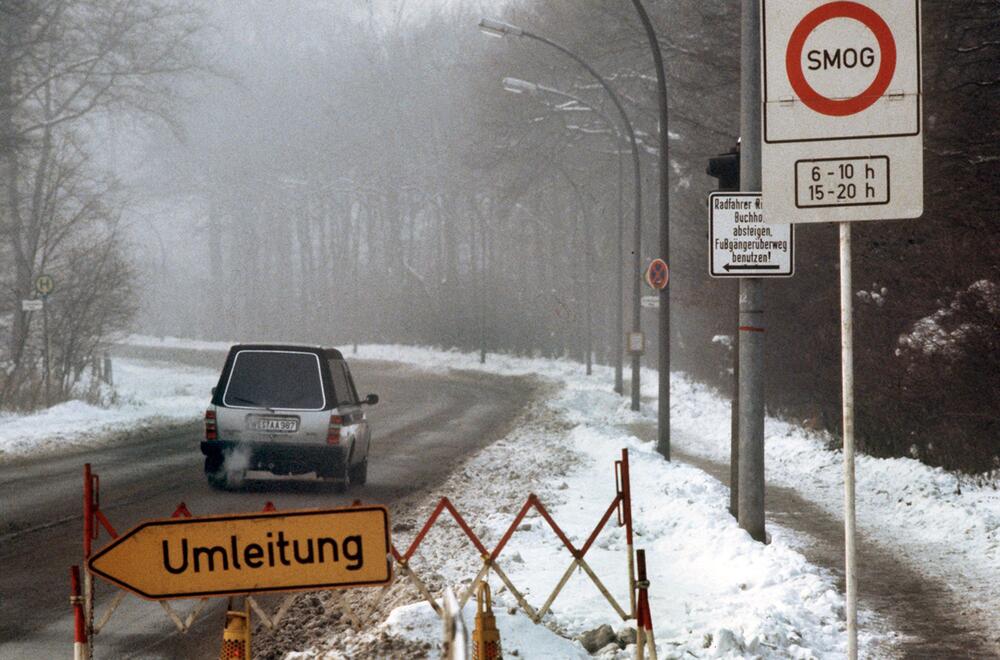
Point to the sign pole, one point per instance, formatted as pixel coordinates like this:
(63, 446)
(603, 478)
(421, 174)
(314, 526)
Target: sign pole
(847, 392)
(45, 332)
(750, 506)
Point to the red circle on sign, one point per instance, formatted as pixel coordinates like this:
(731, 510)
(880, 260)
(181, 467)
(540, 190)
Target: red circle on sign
(657, 275)
(887, 67)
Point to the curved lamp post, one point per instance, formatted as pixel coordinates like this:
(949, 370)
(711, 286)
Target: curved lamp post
(495, 28)
(518, 86)
(663, 416)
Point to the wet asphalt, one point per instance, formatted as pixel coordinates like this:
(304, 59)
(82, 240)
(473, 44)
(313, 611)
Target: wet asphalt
(425, 424)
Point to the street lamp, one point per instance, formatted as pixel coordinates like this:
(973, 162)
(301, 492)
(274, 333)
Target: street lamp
(663, 413)
(495, 28)
(518, 86)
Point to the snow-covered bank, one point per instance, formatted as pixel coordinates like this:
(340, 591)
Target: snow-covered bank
(148, 393)
(944, 526)
(715, 593)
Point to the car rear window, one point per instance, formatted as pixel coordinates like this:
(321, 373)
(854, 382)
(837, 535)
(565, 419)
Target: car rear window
(275, 379)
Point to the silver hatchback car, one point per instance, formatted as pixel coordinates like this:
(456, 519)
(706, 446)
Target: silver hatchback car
(286, 409)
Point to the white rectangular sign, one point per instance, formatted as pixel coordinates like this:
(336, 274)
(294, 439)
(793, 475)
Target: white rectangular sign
(842, 124)
(740, 244)
(32, 305)
(651, 302)
(636, 342)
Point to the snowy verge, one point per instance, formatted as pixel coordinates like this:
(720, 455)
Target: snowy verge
(147, 394)
(715, 592)
(945, 524)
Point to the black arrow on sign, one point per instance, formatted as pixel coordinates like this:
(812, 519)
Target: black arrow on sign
(729, 267)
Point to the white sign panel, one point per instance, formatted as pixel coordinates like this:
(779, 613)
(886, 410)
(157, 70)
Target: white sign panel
(842, 125)
(740, 244)
(636, 342)
(32, 305)
(651, 302)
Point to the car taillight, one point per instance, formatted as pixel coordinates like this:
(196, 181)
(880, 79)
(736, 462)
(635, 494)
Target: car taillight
(333, 434)
(211, 430)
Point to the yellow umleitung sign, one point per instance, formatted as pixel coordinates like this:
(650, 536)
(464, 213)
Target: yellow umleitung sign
(250, 553)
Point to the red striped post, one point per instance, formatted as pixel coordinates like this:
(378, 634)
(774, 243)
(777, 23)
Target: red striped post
(79, 620)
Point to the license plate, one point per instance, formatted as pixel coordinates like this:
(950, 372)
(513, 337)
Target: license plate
(273, 424)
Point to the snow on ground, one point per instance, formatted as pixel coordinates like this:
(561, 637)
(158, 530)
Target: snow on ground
(149, 341)
(945, 526)
(715, 593)
(147, 393)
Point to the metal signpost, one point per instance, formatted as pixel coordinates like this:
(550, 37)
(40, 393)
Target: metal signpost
(741, 244)
(842, 141)
(250, 553)
(44, 285)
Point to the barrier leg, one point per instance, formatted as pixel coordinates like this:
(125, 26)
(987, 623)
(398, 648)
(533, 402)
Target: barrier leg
(88, 581)
(79, 621)
(644, 620)
(626, 492)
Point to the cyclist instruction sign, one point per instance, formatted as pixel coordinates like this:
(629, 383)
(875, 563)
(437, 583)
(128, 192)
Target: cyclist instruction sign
(842, 125)
(741, 244)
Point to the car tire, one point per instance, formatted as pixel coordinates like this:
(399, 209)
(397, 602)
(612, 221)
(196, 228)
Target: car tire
(359, 473)
(341, 479)
(214, 473)
(218, 477)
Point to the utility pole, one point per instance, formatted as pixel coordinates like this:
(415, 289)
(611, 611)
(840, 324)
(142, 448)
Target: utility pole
(750, 508)
(588, 289)
(619, 336)
(726, 168)
(663, 417)
(482, 290)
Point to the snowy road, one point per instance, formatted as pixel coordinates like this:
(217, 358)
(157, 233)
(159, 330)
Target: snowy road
(425, 424)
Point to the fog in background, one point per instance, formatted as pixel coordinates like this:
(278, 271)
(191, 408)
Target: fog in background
(319, 184)
(340, 172)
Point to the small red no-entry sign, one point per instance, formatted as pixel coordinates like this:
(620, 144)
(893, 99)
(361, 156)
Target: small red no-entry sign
(658, 274)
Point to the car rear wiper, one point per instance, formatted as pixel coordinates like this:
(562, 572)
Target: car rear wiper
(256, 404)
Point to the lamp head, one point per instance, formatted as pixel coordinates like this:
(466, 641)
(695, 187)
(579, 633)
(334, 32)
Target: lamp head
(518, 86)
(495, 28)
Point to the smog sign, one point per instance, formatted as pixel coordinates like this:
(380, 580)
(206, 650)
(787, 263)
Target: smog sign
(250, 553)
(741, 244)
(842, 127)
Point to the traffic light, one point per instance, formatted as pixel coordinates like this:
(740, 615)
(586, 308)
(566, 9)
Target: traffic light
(726, 168)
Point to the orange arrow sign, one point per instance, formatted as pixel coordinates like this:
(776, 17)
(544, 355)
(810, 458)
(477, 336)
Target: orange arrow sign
(250, 553)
